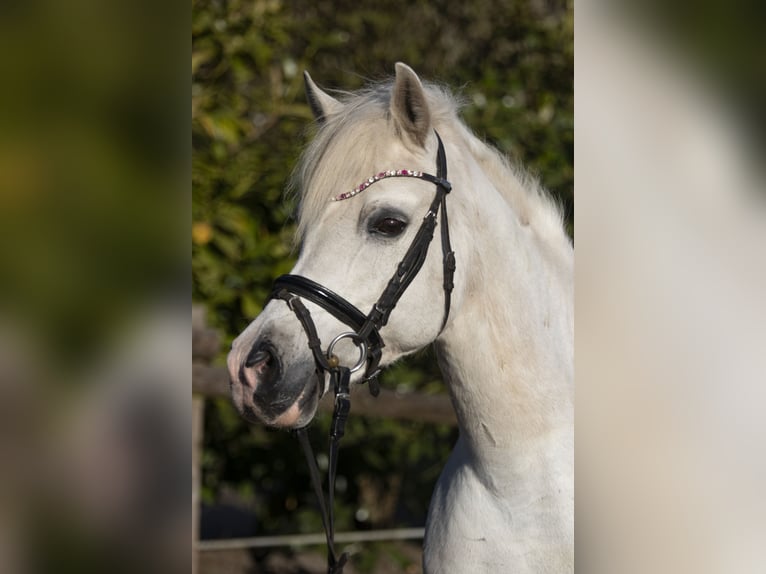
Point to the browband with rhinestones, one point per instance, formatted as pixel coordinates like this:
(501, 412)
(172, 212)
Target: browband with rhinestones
(382, 175)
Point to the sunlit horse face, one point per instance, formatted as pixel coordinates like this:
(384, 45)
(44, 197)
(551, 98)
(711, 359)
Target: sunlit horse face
(351, 246)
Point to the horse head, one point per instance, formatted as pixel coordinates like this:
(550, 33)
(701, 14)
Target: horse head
(353, 247)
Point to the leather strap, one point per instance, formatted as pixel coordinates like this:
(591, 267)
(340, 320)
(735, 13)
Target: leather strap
(341, 382)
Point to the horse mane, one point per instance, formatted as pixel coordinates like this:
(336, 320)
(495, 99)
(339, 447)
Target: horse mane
(531, 202)
(347, 135)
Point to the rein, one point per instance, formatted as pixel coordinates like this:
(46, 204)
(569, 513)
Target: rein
(365, 330)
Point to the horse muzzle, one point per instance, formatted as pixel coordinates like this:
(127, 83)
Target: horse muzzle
(268, 388)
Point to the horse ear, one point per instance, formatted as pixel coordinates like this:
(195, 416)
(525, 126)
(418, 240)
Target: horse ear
(409, 107)
(321, 103)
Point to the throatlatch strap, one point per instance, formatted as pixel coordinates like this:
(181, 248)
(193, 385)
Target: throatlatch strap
(449, 263)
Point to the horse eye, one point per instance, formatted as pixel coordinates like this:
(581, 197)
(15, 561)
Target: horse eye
(388, 226)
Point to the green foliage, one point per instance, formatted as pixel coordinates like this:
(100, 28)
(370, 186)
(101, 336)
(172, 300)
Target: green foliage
(512, 63)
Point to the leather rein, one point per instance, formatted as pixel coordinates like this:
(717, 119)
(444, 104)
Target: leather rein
(364, 330)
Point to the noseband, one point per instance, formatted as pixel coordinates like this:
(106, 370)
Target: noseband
(365, 329)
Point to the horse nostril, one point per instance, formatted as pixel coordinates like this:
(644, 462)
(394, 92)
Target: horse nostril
(258, 356)
(263, 358)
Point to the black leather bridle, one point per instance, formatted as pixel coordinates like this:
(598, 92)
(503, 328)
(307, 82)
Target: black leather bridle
(364, 328)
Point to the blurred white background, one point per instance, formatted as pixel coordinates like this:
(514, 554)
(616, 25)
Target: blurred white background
(670, 282)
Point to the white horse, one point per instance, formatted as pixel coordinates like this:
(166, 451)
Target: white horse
(504, 502)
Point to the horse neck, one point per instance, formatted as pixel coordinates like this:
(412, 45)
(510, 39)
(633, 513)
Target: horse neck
(507, 352)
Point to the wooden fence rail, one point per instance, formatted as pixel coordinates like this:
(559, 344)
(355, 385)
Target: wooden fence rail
(317, 539)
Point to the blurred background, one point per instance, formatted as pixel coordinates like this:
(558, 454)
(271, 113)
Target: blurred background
(96, 216)
(94, 299)
(670, 282)
(511, 63)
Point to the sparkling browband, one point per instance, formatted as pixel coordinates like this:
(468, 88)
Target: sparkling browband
(382, 175)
